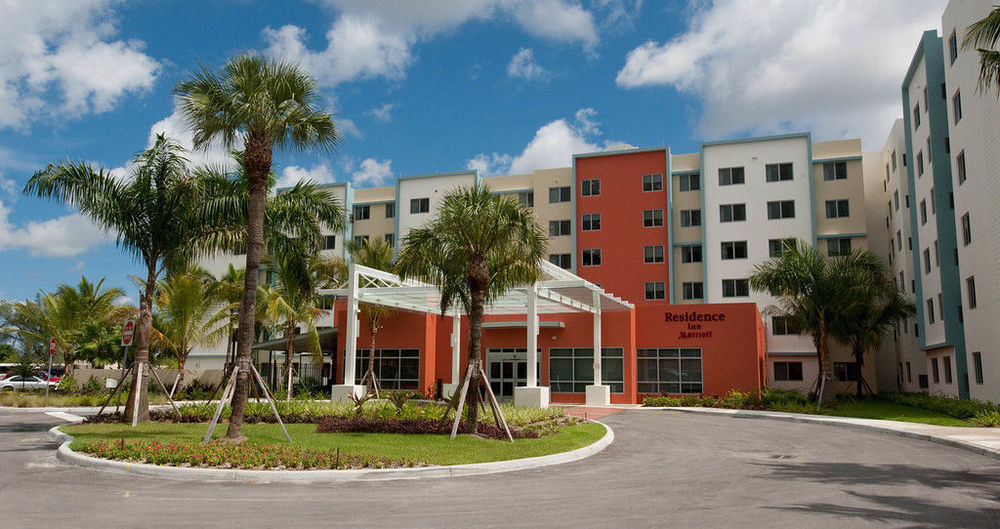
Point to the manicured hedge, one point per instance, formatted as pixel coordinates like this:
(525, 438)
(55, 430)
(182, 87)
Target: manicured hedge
(412, 426)
(982, 413)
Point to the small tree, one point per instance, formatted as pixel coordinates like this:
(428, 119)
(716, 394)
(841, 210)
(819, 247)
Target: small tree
(480, 246)
(377, 255)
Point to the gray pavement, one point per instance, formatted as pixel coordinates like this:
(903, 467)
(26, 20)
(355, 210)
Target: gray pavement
(665, 469)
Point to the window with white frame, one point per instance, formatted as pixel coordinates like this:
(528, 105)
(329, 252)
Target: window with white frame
(689, 181)
(362, 212)
(775, 247)
(329, 242)
(783, 326)
(735, 288)
(729, 176)
(787, 371)
(526, 199)
(655, 290)
(559, 194)
(390, 210)
(652, 182)
(691, 254)
(781, 209)
(394, 368)
(838, 247)
(778, 172)
(836, 209)
(420, 205)
(734, 250)
(571, 369)
(590, 187)
(956, 106)
(693, 290)
(559, 228)
(652, 218)
(732, 212)
(591, 222)
(591, 257)
(652, 254)
(960, 166)
(562, 260)
(690, 217)
(838, 171)
(966, 230)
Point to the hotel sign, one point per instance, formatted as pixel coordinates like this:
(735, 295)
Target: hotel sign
(694, 323)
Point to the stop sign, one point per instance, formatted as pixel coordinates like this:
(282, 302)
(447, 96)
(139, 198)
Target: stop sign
(128, 332)
(52, 346)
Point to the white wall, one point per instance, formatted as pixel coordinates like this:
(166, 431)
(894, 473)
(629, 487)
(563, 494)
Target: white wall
(434, 187)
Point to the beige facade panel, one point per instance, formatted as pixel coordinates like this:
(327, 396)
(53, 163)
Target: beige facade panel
(831, 217)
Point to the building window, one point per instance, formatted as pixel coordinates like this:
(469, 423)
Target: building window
(775, 247)
(559, 194)
(956, 106)
(690, 182)
(935, 371)
(591, 257)
(360, 239)
(916, 116)
(652, 218)
(671, 371)
(960, 165)
(329, 242)
(734, 250)
(691, 254)
(562, 260)
(838, 171)
(652, 254)
(590, 188)
(838, 247)
(895, 199)
(389, 238)
(390, 210)
(693, 290)
(735, 288)
(591, 222)
(977, 367)
(952, 48)
(929, 149)
(652, 182)
(946, 361)
(787, 371)
(690, 217)
(909, 372)
(927, 260)
(362, 212)
(571, 370)
(899, 240)
(893, 159)
(526, 199)
(729, 176)
(923, 212)
(846, 371)
(920, 163)
(559, 228)
(836, 209)
(933, 207)
(656, 290)
(777, 172)
(970, 288)
(930, 311)
(732, 212)
(782, 326)
(781, 209)
(937, 257)
(394, 368)
(966, 230)
(420, 205)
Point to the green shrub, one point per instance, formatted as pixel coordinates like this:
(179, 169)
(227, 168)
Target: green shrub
(68, 383)
(780, 399)
(661, 401)
(987, 418)
(733, 399)
(962, 409)
(92, 386)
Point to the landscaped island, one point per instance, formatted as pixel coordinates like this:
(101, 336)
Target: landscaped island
(170, 441)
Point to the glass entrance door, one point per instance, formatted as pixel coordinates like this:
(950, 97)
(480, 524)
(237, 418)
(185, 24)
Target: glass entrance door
(505, 375)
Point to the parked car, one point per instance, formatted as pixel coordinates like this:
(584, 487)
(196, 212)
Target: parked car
(53, 378)
(23, 382)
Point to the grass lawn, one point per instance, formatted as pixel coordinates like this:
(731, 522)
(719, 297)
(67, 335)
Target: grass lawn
(430, 449)
(891, 411)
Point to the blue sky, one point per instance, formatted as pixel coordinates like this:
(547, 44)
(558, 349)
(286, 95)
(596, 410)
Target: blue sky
(498, 85)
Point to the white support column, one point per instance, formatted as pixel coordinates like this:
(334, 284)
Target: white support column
(598, 394)
(342, 392)
(456, 354)
(532, 394)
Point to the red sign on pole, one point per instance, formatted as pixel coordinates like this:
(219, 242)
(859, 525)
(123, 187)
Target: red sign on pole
(52, 346)
(128, 332)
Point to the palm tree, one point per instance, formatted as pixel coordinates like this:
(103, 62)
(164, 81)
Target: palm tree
(154, 212)
(809, 288)
(377, 255)
(479, 247)
(871, 308)
(263, 103)
(292, 303)
(229, 290)
(983, 36)
(189, 315)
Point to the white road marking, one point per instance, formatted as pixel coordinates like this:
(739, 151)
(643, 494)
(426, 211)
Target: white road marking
(65, 416)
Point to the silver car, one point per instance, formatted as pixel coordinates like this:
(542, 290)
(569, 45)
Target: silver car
(23, 382)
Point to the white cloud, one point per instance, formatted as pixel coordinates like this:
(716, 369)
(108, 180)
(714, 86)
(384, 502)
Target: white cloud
(383, 112)
(523, 65)
(831, 66)
(65, 47)
(374, 39)
(372, 172)
(553, 145)
(214, 154)
(66, 236)
(293, 174)
(348, 127)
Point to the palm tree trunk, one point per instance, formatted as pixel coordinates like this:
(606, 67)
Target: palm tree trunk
(859, 360)
(478, 282)
(257, 163)
(142, 337)
(289, 353)
(825, 368)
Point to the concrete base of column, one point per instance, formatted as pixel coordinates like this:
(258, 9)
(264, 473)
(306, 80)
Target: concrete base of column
(531, 396)
(599, 395)
(343, 392)
(449, 389)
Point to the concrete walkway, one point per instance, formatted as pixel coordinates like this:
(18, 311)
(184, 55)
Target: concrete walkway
(984, 441)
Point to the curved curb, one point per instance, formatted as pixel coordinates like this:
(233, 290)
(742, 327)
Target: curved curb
(66, 455)
(871, 425)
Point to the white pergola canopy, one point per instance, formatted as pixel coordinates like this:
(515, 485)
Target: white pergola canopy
(555, 292)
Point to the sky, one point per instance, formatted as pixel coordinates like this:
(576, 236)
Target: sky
(415, 87)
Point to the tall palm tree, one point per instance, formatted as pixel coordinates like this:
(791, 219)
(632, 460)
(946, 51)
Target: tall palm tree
(983, 35)
(809, 288)
(291, 302)
(872, 307)
(262, 103)
(188, 313)
(377, 255)
(479, 247)
(154, 213)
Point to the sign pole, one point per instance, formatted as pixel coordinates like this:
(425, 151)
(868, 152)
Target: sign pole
(48, 372)
(128, 333)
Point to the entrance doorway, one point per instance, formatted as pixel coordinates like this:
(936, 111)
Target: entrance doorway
(507, 368)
